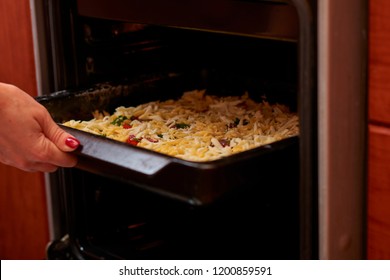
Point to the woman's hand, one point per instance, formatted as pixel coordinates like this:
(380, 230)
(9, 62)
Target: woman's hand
(29, 138)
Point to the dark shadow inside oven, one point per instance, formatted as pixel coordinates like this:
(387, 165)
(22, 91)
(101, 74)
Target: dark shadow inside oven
(258, 221)
(222, 63)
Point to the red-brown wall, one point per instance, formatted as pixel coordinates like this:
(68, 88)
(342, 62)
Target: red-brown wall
(23, 216)
(378, 235)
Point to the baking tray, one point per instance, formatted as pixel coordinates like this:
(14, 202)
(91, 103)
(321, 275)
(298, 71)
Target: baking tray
(197, 183)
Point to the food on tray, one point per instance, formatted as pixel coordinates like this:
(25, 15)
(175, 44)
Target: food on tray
(196, 127)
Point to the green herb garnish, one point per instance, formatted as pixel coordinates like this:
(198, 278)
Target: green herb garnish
(182, 125)
(119, 120)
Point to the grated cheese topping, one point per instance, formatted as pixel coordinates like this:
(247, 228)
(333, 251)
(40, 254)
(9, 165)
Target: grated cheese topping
(197, 127)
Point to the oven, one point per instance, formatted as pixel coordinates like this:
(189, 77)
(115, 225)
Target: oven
(124, 202)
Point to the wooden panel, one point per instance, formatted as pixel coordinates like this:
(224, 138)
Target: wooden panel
(23, 216)
(379, 193)
(16, 47)
(379, 61)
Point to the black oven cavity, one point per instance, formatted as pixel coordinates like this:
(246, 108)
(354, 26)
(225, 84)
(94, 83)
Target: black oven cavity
(258, 205)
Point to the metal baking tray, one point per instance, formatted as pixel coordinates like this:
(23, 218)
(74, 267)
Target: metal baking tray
(197, 183)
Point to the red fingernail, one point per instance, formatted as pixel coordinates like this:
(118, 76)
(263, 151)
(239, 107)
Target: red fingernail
(72, 142)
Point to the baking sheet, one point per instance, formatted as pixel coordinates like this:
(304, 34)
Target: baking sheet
(193, 182)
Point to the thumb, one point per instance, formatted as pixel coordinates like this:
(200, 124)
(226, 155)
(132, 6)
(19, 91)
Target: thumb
(63, 140)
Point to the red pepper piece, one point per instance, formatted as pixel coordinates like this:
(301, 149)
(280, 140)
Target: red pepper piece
(152, 140)
(132, 140)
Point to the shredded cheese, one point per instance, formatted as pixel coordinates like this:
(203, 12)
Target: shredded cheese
(196, 127)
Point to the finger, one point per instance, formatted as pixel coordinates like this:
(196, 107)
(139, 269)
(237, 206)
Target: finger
(31, 166)
(63, 140)
(64, 160)
(59, 158)
(42, 167)
(45, 151)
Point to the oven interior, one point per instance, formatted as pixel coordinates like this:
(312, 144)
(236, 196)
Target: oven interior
(100, 215)
(114, 220)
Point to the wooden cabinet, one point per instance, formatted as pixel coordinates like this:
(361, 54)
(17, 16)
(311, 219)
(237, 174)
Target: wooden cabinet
(379, 62)
(379, 193)
(378, 233)
(24, 230)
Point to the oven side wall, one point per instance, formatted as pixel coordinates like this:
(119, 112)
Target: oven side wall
(342, 118)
